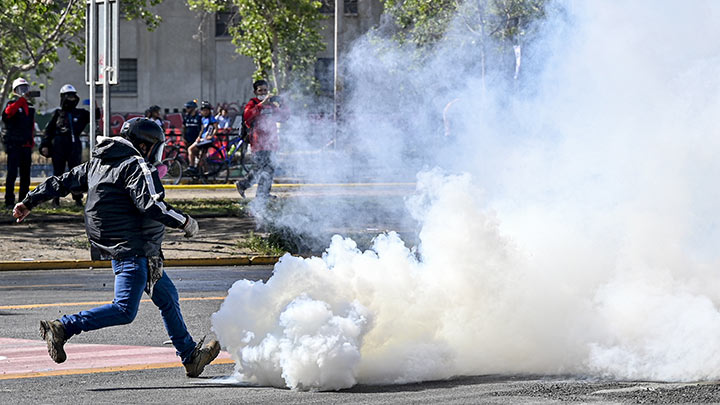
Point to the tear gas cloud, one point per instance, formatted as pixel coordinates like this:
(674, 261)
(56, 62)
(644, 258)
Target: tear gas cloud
(569, 227)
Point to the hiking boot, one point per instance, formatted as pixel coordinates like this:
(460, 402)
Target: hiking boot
(53, 332)
(201, 357)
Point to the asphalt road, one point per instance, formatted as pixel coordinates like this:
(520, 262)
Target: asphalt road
(26, 297)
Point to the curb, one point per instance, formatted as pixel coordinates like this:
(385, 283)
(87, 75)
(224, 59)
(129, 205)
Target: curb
(91, 264)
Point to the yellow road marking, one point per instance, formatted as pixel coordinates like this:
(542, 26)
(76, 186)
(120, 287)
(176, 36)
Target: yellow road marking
(101, 370)
(88, 303)
(280, 185)
(41, 285)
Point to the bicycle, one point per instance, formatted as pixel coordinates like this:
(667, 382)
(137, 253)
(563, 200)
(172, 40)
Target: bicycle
(174, 157)
(219, 161)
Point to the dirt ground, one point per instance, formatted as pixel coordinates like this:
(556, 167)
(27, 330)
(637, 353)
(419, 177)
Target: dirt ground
(64, 238)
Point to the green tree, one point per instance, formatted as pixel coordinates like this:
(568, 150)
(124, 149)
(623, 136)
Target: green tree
(31, 31)
(282, 37)
(479, 23)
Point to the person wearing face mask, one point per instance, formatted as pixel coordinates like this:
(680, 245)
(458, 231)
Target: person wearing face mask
(125, 220)
(62, 136)
(260, 118)
(19, 119)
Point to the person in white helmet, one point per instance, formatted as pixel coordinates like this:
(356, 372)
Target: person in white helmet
(19, 118)
(62, 136)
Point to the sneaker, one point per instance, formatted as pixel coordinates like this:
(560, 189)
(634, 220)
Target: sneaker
(191, 171)
(240, 188)
(53, 332)
(201, 357)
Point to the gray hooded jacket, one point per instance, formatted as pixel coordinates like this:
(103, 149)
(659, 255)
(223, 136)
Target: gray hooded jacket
(125, 214)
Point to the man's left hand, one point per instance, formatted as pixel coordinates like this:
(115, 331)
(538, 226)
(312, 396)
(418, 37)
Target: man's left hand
(20, 211)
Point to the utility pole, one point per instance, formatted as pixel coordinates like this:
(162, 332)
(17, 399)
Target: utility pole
(90, 24)
(337, 85)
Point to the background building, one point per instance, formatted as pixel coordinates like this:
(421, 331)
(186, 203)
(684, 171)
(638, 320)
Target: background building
(187, 58)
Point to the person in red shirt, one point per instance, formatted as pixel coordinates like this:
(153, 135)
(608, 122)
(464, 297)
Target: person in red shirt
(19, 119)
(261, 116)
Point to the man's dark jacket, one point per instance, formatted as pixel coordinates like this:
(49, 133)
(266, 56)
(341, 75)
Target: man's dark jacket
(64, 128)
(125, 214)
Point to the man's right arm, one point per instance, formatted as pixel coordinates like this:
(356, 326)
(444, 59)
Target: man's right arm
(74, 180)
(252, 110)
(13, 107)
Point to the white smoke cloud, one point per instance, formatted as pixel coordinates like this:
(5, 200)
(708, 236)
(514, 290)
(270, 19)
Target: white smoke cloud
(580, 236)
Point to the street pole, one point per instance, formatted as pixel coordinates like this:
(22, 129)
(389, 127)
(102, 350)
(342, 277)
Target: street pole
(106, 71)
(339, 11)
(92, 22)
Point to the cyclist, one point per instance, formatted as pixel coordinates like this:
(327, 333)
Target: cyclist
(153, 114)
(191, 122)
(209, 128)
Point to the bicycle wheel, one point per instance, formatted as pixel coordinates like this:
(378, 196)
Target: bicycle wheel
(214, 173)
(174, 173)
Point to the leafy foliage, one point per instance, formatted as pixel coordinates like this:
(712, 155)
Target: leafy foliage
(282, 37)
(425, 22)
(477, 24)
(31, 31)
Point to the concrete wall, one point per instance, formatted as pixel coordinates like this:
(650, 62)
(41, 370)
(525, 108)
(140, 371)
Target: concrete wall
(174, 65)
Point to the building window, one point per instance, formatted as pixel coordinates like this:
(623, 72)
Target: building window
(224, 20)
(324, 74)
(350, 7)
(127, 77)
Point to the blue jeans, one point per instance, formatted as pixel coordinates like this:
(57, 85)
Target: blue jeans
(130, 279)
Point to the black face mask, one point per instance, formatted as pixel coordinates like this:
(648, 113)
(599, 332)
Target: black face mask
(69, 101)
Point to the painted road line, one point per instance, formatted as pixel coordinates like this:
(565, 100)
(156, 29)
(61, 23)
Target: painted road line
(24, 358)
(40, 286)
(278, 185)
(95, 303)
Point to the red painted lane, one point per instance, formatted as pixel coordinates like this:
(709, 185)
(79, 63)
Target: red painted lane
(22, 356)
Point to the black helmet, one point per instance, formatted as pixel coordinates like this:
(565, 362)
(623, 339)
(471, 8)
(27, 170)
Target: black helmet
(191, 104)
(206, 104)
(144, 131)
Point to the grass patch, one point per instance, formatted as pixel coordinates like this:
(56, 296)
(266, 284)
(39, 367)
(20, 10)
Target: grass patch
(195, 207)
(261, 245)
(228, 207)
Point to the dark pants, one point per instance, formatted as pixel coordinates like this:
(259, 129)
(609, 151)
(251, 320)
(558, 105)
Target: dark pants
(130, 279)
(263, 172)
(66, 154)
(18, 157)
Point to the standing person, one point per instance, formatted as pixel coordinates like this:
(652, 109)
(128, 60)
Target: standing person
(62, 136)
(223, 119)
(153, 114)
(261, 116)
(19, 119)
(209, 128)
(125, 219)
(192, 122)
